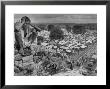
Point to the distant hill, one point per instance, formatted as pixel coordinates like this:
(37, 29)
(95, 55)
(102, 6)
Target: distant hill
(90, 26)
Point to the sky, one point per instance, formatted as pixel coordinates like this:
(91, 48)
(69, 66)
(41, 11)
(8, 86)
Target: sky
(59, 18)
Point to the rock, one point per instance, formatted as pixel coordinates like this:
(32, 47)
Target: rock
(17, 57)
(15, 52)
(69, 73)
(55, 47)
(62, 42)
(94, 56)
(18, 63)
(28, 63)
(19, 74)
(28, 69)
(27, 58)
(16, 70)
(27, 51)
(36, 59)
(68, 51)
(83, 46)
(44, 44)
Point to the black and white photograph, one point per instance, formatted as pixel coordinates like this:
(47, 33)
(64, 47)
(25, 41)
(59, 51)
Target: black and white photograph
(55, 44)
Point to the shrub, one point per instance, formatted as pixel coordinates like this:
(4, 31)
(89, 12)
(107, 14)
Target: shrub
(78, 29)
(56, 34)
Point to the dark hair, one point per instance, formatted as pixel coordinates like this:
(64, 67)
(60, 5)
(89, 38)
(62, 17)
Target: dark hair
(26, 19)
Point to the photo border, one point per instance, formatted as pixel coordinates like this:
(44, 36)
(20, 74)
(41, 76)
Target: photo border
(4, 3)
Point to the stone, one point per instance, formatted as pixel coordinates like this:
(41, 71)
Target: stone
(27, 58)
(17, 57)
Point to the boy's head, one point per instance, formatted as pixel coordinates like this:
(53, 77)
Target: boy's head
(26, 20)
